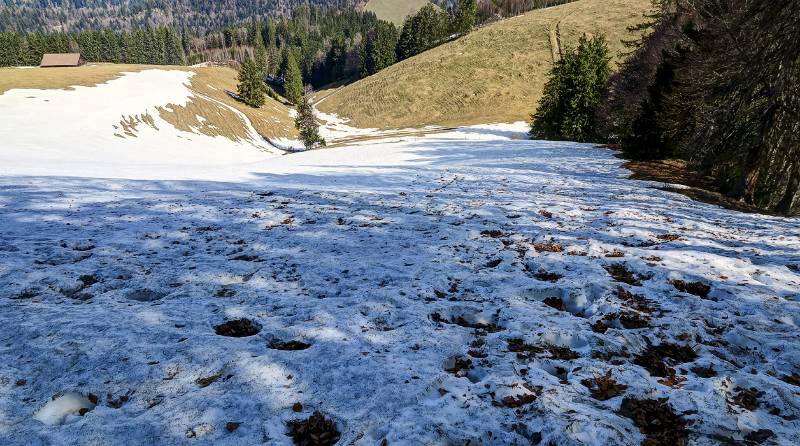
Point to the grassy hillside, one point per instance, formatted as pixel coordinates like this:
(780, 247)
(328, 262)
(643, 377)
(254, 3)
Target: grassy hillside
(394, 11)
(206, 113)
(494, 74)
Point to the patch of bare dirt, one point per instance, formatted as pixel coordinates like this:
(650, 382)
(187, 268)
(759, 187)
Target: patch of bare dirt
(604, 387)
(700, 187)
(746, 398)
(555, 302)
(316, 430)
(656, 421)
(238, 328)
(621, 273)
(548, 247)
(698, 289)
(659, 359)
(277, 344)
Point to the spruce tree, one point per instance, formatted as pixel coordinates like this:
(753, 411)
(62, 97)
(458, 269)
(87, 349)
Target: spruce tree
(306, 124)
(378, 50)
(251, 86)
(293, 79)
(573, 93)
(259, 50)
(464, 16)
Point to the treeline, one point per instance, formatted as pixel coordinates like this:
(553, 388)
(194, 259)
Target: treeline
(716, 83)
(160, 46)
(327, 45)
(489, 10)
(198, 16)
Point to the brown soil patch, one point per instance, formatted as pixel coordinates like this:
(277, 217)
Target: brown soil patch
(604, 387)
(699, 289)
(237, 328)
(658, 359)
(548, 247)
(519, 401)
(277, 344)
(700, 187)
(316, 430)
(620, 273)
(656, 420)
(556, 303)
(747, 398)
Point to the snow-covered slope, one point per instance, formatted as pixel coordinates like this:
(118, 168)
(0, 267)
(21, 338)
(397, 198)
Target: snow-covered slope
(452, 289)
(106, 129)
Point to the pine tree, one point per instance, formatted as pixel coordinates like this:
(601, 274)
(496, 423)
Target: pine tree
(11, 49)
(422, 31)
(378, 50)
(573, 93)
(464, 16)
(251, 86)
(259, 50)
(293, 79)
(306, 124)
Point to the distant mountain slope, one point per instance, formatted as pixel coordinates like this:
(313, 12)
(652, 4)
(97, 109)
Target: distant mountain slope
(197, 15)
(494, 74)
(119, 113)
(395, 11)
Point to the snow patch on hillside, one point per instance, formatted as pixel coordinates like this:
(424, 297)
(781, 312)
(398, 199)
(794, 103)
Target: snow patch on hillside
(81, 131)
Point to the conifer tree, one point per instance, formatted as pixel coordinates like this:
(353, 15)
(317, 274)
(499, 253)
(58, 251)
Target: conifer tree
(259, 50)
(464, 16)
(378, 50)
(251, 86)
(306, 124)
(293, 79)
(11, 49)
(573, 93)
(422, 31)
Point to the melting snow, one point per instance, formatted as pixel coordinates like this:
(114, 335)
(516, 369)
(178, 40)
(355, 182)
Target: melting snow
(452, 288)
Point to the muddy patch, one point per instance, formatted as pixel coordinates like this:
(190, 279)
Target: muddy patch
(659, 359)
(238, 328)
(291, 345)
(316, 430)
(656, 421)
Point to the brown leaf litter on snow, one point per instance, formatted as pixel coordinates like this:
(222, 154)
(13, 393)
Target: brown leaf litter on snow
(656, 421)
(604, 387)
(237, 328)
(620, 273)
(746, 398)
(316, 430)
(548, 247)
(292, 345)
(658, 359)
(698, 289)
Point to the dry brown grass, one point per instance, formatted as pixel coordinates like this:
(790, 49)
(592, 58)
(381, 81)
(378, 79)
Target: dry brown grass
(394, 11)
(494, 74)
(66, 77)
(204, 113)
(272, 120)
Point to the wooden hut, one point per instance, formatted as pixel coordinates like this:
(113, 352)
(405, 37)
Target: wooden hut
(62, 60)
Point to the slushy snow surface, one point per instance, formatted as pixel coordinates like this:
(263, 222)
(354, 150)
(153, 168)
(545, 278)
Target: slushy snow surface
(414, 269)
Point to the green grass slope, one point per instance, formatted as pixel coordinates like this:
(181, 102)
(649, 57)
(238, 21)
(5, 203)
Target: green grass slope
(394, 11)
(494, 74)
